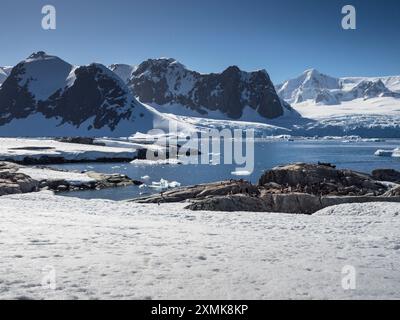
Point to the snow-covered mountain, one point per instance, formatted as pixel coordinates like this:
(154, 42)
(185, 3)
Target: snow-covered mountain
(369, 106)
(4, 73)
(233, 94)
(124, 71)
(46, 96)
(307, 86)
(318, 88)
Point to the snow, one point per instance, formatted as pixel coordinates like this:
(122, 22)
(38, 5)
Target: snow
(98, 249)
(17, 149)
(374, 210)
(376, 117)
(37, 125)
(41, 174)
(4, 73)
(385, 106)
(217, 120)
(306, 86)
(391, 82)
(340, 106)
(45, 75)
(124, 71)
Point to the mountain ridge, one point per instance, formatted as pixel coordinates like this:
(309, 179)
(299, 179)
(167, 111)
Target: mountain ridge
(166, 83)
(89, 95)
(320, 88)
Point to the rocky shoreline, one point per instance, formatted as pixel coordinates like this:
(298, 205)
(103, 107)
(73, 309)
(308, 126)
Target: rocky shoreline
(296, 188)
(16, 179)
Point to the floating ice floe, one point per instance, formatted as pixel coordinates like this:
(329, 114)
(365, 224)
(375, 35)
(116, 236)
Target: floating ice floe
(241, 173)
(164, 184)
(384, 153)
(388, 153)
(156, 162)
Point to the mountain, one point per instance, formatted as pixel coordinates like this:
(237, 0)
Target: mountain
(233, 94)
(306, 86)
(124, 71)
(318, 88)
(46, 96)
(367, 107)
(4, 73)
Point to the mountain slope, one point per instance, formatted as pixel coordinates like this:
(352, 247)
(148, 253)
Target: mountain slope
(368, 107)
(4, 73)
(306, 86)
(232, 95)
(315, 87)
(45, 95)
(124, 71)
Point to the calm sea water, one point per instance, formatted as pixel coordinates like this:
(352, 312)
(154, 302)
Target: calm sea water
(354, 155)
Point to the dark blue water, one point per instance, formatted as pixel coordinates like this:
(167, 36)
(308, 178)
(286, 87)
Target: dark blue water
(357, 156)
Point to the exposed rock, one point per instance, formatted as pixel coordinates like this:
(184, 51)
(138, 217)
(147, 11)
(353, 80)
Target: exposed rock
(80, 140)
(390, 175)
(203, 191)
(320, 179)
(86, 98)
(101, 181)
(230, 204)
(295, 203)
(104, 181)
(166, 82)
(297, 188)
(12, 182)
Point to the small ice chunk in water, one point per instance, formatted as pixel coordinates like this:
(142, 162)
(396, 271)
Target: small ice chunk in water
(241, 173)
(164, 184)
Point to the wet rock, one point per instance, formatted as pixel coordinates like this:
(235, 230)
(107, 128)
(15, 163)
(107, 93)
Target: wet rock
(390, 175)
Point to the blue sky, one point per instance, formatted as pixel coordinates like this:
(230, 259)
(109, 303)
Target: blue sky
(285, 36)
